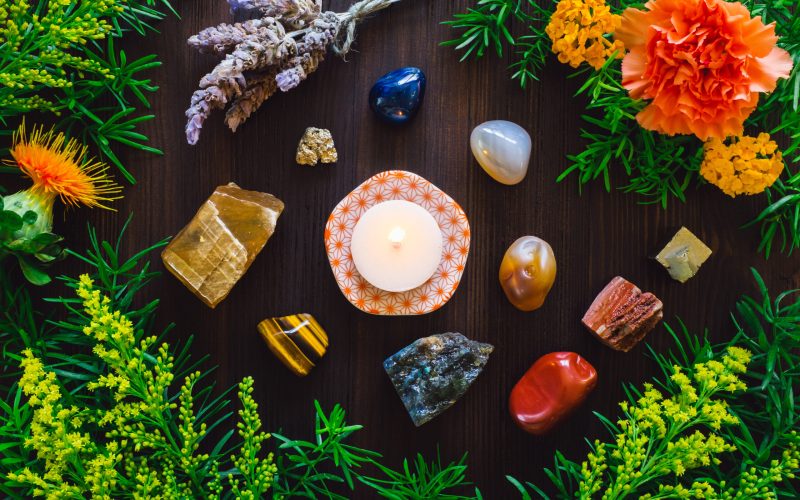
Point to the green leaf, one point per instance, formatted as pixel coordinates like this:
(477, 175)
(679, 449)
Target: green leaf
(32, 273)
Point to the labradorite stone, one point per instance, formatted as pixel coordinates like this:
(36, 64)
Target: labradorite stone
(433, 372)
(397, 95)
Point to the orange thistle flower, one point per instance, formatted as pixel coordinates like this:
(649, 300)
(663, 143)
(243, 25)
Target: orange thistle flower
(60, 168)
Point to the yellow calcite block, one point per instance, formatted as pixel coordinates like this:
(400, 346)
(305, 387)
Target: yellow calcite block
(297, 340)
(683, 255)
(218, 245)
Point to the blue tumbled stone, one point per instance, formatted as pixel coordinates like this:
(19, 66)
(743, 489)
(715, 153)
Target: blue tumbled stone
(397, 95)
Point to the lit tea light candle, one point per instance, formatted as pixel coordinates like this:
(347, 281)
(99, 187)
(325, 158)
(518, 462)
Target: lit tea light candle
(396, 245)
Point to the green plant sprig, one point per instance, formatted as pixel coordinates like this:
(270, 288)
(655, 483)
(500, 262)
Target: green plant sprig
(658, 167)
(488, 26)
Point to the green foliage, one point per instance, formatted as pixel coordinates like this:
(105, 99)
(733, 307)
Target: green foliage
(423, 481)
(758, 428)
(488, 26)
(25, 237)
(59, 57)
(658, 167)
(780, 220)
(105, 407)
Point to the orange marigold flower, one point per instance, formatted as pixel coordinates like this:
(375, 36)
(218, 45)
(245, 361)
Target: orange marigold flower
(748, 165)
(701, 63)
(579, 29)
(60, 168)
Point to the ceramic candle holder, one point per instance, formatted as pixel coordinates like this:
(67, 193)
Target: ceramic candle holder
(398, 185)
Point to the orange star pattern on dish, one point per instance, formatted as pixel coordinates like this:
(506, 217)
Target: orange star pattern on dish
(398, 185)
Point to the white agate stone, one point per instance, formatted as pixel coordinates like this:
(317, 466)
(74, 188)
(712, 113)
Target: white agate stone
(503, 149)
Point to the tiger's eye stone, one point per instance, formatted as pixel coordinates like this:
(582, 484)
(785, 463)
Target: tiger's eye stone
(553, 386)
(218, 245)
(527, 272)
(297, 340)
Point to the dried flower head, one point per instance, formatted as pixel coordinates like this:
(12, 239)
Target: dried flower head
(60, 168)
(747, 165)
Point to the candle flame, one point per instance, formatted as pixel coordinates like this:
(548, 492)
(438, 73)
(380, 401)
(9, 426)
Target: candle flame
(396, 236)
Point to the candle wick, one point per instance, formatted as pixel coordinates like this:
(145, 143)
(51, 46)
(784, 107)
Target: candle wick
(396, 236)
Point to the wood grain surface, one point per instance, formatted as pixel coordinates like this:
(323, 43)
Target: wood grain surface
(595, 236)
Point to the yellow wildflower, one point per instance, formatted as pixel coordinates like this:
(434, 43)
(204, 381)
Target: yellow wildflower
(748, 165)
(579, 31)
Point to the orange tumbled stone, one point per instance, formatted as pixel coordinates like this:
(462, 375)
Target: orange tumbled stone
(527, 272)
(218, 245)
(553, 386)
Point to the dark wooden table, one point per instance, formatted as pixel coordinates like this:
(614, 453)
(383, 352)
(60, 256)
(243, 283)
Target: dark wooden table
(595, 236)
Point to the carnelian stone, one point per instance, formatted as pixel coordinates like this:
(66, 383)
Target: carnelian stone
(553, 386)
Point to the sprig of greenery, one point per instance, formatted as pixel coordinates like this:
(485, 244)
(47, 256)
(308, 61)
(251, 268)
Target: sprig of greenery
(780, 220)
(423, 481)
(658, 167)
(488, 26)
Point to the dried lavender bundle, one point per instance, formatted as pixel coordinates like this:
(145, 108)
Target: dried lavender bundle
(294, 13)
(222, 39)
(261, 55)
(260, 86)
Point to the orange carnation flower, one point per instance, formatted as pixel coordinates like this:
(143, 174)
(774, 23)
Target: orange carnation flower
(701, 63)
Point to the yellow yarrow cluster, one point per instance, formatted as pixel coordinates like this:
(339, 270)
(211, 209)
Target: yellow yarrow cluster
(748, 165)
(674, 425)
(580, 29)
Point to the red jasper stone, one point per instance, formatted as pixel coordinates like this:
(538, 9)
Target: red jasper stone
(553, 386)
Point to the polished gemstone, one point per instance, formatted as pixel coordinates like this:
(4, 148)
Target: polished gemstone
(622, 315)
(218, 245)
(298, 341)
(397, 95)
(553, 386)
(527, 272)
(683, 255)
(433, 372)
(316, 146)
(503, 149)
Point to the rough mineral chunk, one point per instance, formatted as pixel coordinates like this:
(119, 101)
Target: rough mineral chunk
(683, 255)
(622, 315)
(218, 245)
(433, 372)
(315, 146)
(297, 340)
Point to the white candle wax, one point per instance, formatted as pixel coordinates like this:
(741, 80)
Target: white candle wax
(396, 245)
